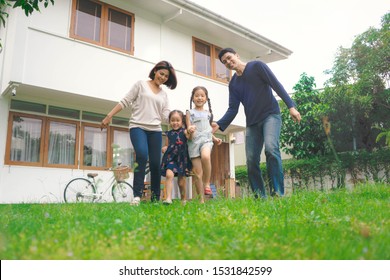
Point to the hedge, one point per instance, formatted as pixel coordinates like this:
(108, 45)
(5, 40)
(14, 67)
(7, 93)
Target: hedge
(327, 172)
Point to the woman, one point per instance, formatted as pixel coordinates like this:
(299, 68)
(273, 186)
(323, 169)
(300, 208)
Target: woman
(149, 107)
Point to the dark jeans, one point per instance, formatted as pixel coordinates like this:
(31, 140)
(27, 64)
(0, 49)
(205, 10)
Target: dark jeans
(147, 145)
(265, 133)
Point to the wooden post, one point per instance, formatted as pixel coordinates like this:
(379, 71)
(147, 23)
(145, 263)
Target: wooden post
(230, 187)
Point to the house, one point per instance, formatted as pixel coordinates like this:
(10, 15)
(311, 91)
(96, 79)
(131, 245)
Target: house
(63, 69)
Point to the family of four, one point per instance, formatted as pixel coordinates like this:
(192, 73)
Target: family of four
(190, 140)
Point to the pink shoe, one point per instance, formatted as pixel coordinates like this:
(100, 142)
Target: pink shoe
(208, 191)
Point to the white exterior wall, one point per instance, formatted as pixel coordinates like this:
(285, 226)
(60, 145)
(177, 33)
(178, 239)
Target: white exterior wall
(47, 57)
(240, 155)
(39, 52)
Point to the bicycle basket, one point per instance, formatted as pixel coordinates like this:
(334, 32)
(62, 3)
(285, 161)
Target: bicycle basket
(121, 173)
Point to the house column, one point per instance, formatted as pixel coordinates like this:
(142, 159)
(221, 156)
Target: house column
(231, 181)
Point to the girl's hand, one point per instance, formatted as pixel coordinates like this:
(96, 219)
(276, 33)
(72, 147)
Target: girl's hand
(218, 141)
(188, 134)
(191, 129)
(164, 149)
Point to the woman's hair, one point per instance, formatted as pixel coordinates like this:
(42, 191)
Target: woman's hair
(207, 96)
(172, 81)
(181, 114)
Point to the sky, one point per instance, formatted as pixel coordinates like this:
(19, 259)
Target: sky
(312, 29)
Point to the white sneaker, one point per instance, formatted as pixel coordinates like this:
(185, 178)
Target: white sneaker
(136, 201)
(167, 201)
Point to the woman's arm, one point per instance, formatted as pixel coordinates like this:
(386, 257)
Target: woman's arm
(163, 149)
(106, 121)
(123, 103)
(165, 111)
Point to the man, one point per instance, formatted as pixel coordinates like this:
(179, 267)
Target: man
(252, 86)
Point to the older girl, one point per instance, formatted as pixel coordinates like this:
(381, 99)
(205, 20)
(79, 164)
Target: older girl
(199, 126)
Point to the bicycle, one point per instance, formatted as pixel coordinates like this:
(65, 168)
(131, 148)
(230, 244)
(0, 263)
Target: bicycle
(85, 190)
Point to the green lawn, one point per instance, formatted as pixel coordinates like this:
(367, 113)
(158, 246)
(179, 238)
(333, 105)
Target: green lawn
(333, 225)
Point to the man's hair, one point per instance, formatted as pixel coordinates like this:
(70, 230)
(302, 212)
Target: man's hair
(225, 50)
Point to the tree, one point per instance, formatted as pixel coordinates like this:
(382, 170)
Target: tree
(359, 103)
(29, 6)
(384, 134)
(306, 139)
(371, 56)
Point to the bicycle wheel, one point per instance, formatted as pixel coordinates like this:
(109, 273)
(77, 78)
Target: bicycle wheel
(122, 192)
(79, 190)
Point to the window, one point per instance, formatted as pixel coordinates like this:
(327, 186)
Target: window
(25, 139)
(28, 106)
(123, 152)
(94, 143)
(64, 112)
(61, 148)
(93, 117)
(206, 61)
(36, 140)
(101, 24)
(221, 72)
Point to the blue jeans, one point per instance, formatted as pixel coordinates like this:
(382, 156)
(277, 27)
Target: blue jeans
(147, 144)
(267, 133)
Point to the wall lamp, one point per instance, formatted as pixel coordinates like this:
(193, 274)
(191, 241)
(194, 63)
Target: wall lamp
(12, 88)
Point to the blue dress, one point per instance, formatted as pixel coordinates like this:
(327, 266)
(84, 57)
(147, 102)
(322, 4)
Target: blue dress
(176, 156)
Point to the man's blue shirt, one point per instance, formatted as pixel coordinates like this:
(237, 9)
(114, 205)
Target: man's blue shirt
(254, 90)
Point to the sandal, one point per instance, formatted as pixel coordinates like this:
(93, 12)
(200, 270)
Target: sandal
(208, 191)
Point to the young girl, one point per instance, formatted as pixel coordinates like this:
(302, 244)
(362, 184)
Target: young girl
(200, 144)
(176, 161)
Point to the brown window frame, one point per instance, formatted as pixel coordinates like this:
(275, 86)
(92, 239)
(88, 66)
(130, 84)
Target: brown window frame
(45, 137)
(213, 58)
(111, 138)
(103, 27)
(108, 150)
(7, 159)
